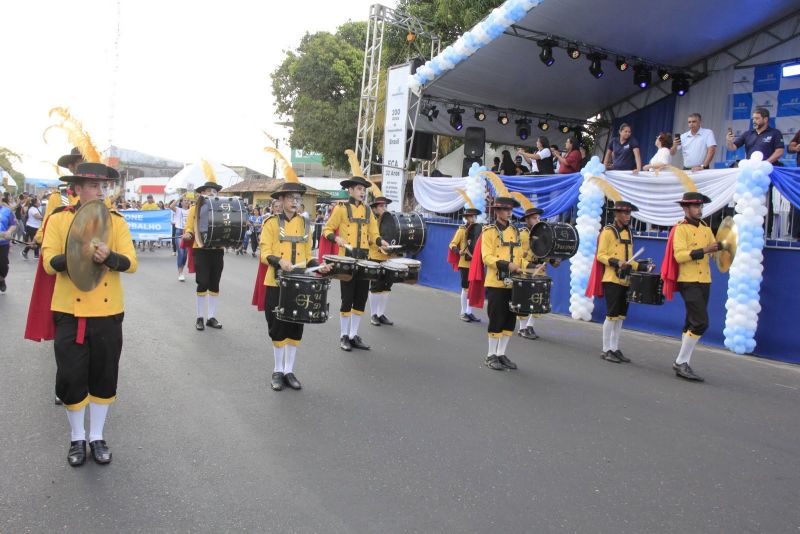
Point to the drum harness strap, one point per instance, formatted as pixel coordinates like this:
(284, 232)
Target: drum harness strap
(510, 244)
(294, 239)
(357, 249)
(624, 242)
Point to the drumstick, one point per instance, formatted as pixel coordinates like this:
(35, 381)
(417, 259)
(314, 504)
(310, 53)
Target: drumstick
(314, 269)
(636, 255)
(393, 246)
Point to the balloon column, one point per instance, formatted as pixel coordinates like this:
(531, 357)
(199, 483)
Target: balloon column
(482, 34)
(746, 271)
(590, 207)
(475, 187)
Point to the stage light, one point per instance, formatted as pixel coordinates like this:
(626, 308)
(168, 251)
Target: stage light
(680, 84)
(502, 118)
(663, 75)
(596, 66)
(564, 128)
(572, 51)
(641, 75)
(622, 64)
(523, 128)
(480, 115)
(430, 112)
(546, 55)
(456, 120)
(544, 125)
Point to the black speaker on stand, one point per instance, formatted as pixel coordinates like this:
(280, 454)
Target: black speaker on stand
(468, 163)
(422, 147)
(474, 142)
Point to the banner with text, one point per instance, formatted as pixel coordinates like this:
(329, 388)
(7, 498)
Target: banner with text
(149, 225)
(394, 136)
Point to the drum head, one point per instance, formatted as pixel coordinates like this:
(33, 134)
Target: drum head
(389, 227)
(392, 265)
(542, 239)
(410, 262)
(369, 264)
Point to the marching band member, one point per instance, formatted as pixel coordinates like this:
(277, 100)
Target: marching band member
(208, 261)
(459, 255)
(686, 266)
(609, 276)
(285, 242)
(357, 228)
(378, 289)
(88, 325)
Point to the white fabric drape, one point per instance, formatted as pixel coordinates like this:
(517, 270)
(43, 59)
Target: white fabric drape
(439, 194)
(656, 196)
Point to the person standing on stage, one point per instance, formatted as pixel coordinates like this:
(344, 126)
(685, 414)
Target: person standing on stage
(623, 153)
(357, 228)
(461, 247)
(697, 146)
(612, 267)
(686, 263)
(88, 325)
(208, 261)
(378, 289)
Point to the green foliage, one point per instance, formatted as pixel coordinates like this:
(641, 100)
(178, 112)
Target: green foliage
(449, 18)
(7, 157)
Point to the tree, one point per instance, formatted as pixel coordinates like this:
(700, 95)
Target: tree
(7, 157)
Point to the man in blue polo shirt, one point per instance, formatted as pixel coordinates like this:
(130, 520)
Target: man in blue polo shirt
(762, 138)
(8, 225)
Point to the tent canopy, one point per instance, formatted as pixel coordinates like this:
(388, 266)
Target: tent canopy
(507, 72)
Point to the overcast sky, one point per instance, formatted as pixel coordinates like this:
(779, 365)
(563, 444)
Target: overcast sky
(192, 77)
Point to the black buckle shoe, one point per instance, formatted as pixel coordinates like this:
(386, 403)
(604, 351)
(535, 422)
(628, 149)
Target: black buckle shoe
(292, 381)
(493, 362)
(213, 323)
(473, 318)
(277, 381)
(77, 453)
(357, 343)
(385, 320)
(609, 356)
(505, 362)
(199, 324)
(375, 320)
(684, 371)
(344, 344)
(621, 357)
(528, 333)
(58, 402)
(464, 317)
(100, 452)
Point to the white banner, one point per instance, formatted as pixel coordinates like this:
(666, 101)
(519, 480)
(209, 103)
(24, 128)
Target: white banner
(394, 136)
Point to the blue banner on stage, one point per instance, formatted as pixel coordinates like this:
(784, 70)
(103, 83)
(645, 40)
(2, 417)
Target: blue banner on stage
(149, 225)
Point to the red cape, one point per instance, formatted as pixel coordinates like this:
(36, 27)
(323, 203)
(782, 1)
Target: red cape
(595, 286)
(670, 269)
(475, 293)
(188, 244)
(327, 247)
(453, 259)
(260, 289)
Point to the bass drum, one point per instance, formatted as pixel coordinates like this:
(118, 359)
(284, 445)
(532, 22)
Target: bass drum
(554, 241)
(303, 298)
(227, 222)
(404, 229)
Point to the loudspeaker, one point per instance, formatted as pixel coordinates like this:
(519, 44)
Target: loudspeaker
(474, 142)
(468, 163)
(423, 146)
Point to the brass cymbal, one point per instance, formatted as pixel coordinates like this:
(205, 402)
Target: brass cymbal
(726, 234)
(92, 224)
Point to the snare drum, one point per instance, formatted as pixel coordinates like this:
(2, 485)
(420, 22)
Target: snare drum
(530, 295)
(343, 267)
(554, 241)
(367, 270)
(404, 229)
(394, 272)
(227, 222)
(414, 266)
(303, 298)
(646, 288)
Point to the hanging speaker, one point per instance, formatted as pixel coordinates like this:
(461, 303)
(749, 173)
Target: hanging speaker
(474, 142)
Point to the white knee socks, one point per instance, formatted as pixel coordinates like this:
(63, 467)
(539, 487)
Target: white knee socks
(608, 328)
(97, 420)
(201, 306)
(77, 430)
(531, 320)
(291, 352)
(687, 347)
(373, 304)
(615, 331)
(501, 347)
(493, 343)
(522, 323)
(384, 300)
(344, 325)
(355, 320)
(465, 308)
(278, 353)
(212, 306)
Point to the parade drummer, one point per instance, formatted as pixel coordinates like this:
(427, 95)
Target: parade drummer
(686, 264)
(612, 267)
(357, 228)
(285, 243)
(88, 325)
(461, 257)
(378, 289)
(208, 261)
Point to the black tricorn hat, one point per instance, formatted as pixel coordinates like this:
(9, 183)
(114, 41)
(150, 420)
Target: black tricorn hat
(212, 185)
(355, 180)
(693, 197)
(68, 159)
(532, 211)
(505, 202)
(623, 205)
(380, 200)
(472, 211)
(288, 188)
(92, 171)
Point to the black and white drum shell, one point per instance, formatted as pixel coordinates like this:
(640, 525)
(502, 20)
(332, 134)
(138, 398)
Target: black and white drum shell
(554, 240)
(646, 288)
(404, 229)
(368, 270)
(227, 222)
(530, 294)
(343, 267)
(303, 298)
(394, 272)
(414, 267)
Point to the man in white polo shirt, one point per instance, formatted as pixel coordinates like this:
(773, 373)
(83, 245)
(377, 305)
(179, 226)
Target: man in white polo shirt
(697, 145)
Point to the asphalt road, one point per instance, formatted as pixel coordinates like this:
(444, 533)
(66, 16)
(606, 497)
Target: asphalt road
(412, 436)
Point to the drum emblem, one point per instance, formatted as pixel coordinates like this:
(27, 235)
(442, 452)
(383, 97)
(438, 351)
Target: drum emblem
(303, 300)
(537, 298)
(225, 207)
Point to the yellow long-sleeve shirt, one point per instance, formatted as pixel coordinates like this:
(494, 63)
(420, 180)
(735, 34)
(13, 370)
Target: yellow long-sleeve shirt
(612, 251)
(459, 243)
(150, 206)
(499, 245)
(687, 245)
(273, 249)
(107, 298)
(349, 229)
